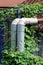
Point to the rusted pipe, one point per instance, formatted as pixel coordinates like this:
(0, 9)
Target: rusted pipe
(40, 20)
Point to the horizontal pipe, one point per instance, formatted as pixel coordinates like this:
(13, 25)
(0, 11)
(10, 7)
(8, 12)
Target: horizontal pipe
(29, 20)
(40, 20)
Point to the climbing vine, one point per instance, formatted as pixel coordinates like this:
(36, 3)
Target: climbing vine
(7, 15)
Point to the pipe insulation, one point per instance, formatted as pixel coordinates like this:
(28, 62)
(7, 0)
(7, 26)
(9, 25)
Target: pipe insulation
(29, 20)
(20, 36)
(17, 32)
(13, 33)
(20, 31)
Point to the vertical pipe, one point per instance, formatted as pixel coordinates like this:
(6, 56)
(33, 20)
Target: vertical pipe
(20, 36)
(19, 14)
(13, 33)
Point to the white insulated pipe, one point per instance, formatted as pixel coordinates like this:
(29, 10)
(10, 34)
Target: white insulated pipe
(29, 20)
(20, 36)
(13, 33)
(18, 27)
(20, 31)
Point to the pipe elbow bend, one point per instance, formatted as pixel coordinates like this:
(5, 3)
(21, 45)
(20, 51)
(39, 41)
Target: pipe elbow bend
(15, 21)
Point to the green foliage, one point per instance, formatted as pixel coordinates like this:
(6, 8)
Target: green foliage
(18, 58)
(25, 58)
(10, 14)
(26, 11)
(30, 39)
(31, 10)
